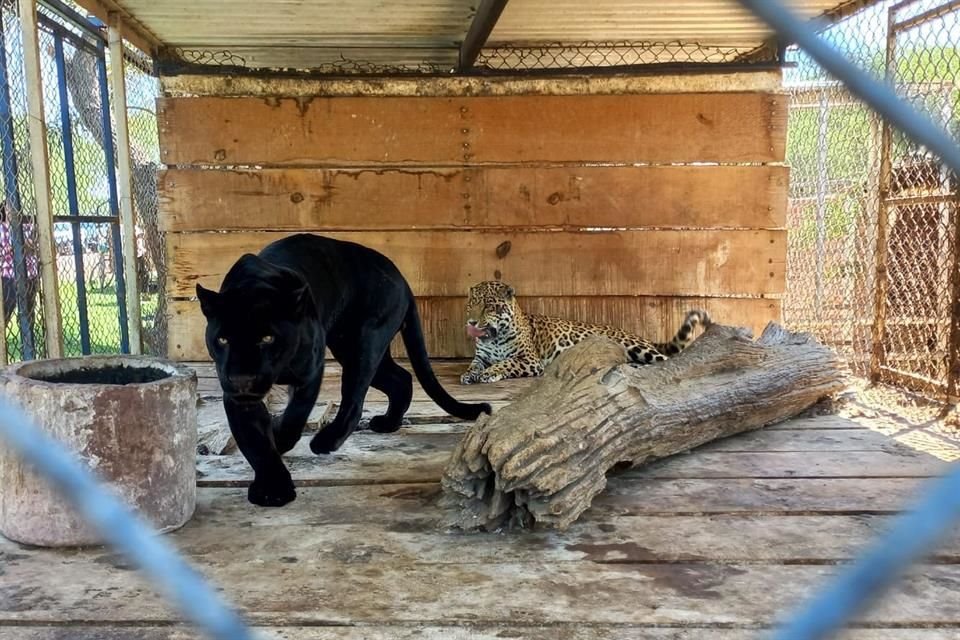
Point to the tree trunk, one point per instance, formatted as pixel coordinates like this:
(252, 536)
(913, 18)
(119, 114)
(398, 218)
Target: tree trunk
(545, 456)
(81, 73)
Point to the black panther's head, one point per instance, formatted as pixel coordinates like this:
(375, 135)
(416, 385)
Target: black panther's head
(255, 325)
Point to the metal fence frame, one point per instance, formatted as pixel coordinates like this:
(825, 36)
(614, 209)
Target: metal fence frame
(96, 48)
(61, 28)
(874, 248)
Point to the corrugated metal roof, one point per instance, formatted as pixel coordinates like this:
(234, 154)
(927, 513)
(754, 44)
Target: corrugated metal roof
(717, 22)
(411, 33)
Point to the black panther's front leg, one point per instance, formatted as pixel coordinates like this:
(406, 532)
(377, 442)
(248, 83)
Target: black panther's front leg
(359, 353)
(250, 425)
(289, 427)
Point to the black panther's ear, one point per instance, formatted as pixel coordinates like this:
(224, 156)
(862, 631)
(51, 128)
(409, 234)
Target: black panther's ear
(302, 299)
(295, 290)
(209, 301)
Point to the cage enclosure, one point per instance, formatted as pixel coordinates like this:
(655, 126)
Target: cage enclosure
(132, 420)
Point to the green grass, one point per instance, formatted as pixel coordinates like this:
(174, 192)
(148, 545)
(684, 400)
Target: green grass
(103, 316)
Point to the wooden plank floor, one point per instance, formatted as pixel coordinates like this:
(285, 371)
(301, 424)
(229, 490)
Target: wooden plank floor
(712, 545)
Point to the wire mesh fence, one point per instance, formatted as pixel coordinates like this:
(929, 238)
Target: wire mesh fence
(142, 91)
(82, 149)
(580, 55)
(872, 258)
(18, 240)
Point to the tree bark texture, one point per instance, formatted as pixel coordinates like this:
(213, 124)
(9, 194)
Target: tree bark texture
(544, 457)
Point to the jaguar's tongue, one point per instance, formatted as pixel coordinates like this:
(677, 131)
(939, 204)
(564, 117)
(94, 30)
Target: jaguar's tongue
(475, 332)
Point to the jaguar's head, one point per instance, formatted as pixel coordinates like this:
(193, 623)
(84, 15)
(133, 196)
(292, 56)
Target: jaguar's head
(492, 309)
(255, 325)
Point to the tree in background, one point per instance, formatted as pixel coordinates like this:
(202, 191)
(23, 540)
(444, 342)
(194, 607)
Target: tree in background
(81, 70)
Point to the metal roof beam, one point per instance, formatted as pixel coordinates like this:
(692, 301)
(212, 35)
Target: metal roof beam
(480, 28)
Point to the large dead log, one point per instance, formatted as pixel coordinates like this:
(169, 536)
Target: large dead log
(545, 456)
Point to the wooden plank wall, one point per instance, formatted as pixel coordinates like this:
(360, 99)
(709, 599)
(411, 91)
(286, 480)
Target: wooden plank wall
(623, 209)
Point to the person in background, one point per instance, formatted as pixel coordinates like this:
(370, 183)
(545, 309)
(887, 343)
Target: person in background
(6, 265)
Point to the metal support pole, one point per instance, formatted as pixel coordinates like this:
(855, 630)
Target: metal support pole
(823, 121)
(11, 192)
(4, 358)
(878, 354)
(41, 178)
(124, 181)
(73, 200)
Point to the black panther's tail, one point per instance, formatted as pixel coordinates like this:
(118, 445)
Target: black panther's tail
(413, 340)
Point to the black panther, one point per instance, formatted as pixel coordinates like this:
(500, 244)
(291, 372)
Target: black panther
(275, 314)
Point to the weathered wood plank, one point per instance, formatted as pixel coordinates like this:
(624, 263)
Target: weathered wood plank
(665, 128)
(410, 507)
(741, 80)
(578, 631)
(352, 199)
(904, 463)
(408, 528)
(369, 458)
(448, 372)
(646, 540)
(443, 368)
(819, 422)
(328, 590)
(630, 540)
(215, 435)
(805, 439)
(448, 263)
(655, 318)
(756, 495)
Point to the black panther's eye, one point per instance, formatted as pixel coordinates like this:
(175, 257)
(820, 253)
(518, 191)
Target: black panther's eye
(222, 341)
(266, 340)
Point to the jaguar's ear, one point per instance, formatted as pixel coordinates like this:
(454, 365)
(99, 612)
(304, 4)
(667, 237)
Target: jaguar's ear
(209, 301)
(510, 292)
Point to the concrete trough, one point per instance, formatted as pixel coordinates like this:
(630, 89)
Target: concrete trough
(131, 419)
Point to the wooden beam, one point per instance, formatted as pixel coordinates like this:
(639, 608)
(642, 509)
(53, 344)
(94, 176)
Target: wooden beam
(457, 86)
(589, 129)
(124, 180)
(845, 10)
(41, 178)
(480, 28)
(775, 45)
(927, 16)
(134, 32)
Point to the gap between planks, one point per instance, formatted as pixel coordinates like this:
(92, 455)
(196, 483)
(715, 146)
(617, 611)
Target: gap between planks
(537, 631)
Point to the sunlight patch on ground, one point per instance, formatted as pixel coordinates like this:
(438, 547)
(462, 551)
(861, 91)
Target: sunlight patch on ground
(921, 424)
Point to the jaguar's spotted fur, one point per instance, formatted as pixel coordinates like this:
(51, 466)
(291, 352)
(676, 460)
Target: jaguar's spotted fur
(513, 344)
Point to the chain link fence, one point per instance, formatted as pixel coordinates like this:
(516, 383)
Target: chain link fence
(572, 56)
(872, 258)
(18, 236)
(597, 55)
(82, 149)
(143, 88)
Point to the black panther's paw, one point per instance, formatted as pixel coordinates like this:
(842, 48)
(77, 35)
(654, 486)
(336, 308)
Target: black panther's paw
(271, 494)
(383, 424)
(328, 440)
(284, 441)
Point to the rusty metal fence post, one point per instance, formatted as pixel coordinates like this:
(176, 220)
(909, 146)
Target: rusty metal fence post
(877, 354)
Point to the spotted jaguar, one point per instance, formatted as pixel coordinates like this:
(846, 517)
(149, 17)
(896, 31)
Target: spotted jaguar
(512, 344)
